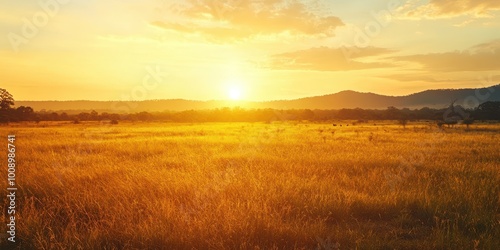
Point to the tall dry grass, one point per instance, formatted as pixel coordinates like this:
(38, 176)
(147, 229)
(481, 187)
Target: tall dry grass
(256, 186)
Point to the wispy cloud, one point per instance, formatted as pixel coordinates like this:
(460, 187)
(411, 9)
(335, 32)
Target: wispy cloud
(433, 9)
(482, 57)
(329, 59)
(241, 19)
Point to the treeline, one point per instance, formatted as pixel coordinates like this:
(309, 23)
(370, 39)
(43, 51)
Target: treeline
(451, 115)
(486, 111)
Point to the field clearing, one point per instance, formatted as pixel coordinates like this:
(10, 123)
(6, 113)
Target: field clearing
(256, 186)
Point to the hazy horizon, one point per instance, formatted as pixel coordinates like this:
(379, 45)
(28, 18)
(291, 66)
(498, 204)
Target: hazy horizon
(249, 101)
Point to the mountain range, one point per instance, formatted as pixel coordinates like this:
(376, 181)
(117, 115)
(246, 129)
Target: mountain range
(438, 98)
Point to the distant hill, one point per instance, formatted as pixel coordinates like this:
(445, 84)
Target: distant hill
(346, 99)
(430, 98)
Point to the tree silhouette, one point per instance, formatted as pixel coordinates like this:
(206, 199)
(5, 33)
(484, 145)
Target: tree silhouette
(468, 122)
(488, 111)
(454, 114)
(6, 99)
(23, 113)
(403, 121)
(307, 114)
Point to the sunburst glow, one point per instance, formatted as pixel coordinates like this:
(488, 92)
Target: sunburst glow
(235, 93)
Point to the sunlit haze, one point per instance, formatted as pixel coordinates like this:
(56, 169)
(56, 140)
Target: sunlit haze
(244, 50)
(235, 93)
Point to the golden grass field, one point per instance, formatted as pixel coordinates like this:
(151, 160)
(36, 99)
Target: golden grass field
(256, 186)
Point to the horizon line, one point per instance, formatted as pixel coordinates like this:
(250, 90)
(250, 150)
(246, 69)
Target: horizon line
(253, 101)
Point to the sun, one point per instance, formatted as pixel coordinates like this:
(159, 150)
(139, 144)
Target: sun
(234, 93)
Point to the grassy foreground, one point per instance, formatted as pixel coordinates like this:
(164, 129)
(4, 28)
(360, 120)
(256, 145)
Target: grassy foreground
(256, 186)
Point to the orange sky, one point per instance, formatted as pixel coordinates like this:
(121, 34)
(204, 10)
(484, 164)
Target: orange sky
(253, 50)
